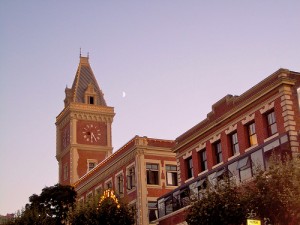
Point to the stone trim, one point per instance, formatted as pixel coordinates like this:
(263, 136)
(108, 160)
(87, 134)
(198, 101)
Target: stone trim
(230, 129)
(215, 138)
(266, 108)
(248, 118)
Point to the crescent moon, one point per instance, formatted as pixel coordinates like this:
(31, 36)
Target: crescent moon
(123, 94)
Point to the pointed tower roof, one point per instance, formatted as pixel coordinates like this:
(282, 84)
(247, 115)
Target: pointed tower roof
(85, 82)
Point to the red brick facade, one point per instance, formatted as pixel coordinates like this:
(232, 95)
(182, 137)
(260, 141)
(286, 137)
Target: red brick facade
(262, 120)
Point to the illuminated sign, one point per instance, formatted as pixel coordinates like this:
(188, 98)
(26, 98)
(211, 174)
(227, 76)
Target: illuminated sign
(253, 222)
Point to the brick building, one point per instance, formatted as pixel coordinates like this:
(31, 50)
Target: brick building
(139, 172)
(238, 135)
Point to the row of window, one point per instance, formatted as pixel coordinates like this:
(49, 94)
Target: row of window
(234, 145)
(152, 173)
(152, 170)
(241, 169)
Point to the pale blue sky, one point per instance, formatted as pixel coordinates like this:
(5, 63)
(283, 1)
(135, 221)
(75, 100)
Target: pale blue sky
(174, 59)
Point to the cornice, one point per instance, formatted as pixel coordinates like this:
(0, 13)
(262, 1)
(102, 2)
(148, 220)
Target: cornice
(282, 80)
(82, 110)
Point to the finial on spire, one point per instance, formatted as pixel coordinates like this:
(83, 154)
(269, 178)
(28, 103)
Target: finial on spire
(80, 53)
(88, 55)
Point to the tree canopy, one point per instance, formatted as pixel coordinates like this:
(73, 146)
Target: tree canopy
(273, 196)
(50, 207)
(107, 211)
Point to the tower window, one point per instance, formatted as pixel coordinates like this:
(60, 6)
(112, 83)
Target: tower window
(91, 100)
(91, 164)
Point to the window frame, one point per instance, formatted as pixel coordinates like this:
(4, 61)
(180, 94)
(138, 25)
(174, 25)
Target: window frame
(174, 175)
(218, 153)
(203, 160)
(152, 173)
(94, 161)
(120, 183)
(130, 177)
(189, 167)
(252, 135)
(271, 123)
(150, 209)
(234, 141)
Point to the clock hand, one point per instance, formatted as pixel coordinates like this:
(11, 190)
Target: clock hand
(93, 136)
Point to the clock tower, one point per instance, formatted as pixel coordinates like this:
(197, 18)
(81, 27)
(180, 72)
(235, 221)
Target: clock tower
(83, 128)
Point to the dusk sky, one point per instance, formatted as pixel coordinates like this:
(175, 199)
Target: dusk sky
(172, 58)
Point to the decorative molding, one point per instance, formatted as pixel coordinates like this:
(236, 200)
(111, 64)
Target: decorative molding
(248, 118)
(201, 146)
(267, 107)
(215, 138)
(231, 129)
(187, 154)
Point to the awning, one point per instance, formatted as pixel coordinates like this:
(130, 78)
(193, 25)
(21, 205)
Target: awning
(200, 182)
(219, 173)
(242, 163)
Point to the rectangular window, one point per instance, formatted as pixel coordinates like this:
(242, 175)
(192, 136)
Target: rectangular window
(189, 167)
(234, 143)
(203, 160)
(171, 175)
(120, 181)
(252, 134)
(91, 165)
(271, 123)
(98, 191)
(109, 185)
(91, 100)
(152, 211)
(131, 178)
(152, 173)
(218, 152)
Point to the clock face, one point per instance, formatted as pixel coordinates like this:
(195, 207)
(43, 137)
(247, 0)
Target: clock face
(66, 137)
(91, 133)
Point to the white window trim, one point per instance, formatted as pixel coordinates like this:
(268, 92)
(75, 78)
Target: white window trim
(132, 165)
(99, 187)
(89, 193)
(107, 181)
(91, 161)
(121, 173)
(158, 162)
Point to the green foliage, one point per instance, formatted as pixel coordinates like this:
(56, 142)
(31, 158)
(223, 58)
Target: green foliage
(219, 205)
(50, 207)
(272, 195)
(276, 193)
(107, 213)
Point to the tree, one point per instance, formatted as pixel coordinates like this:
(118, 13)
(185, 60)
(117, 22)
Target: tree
(218, 205)
(50, 207)
(107, 211)
(273, 195)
